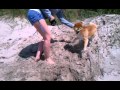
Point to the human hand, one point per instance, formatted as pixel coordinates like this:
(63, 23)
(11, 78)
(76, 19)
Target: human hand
(53, 22)
(51, 18)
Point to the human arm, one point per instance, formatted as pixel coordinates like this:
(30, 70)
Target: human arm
(49, 15)
(62, 19)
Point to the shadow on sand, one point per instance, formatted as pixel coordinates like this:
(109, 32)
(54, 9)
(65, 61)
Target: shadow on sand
(29, 51)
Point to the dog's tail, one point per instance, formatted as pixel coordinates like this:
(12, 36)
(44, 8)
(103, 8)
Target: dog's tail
(94, 24)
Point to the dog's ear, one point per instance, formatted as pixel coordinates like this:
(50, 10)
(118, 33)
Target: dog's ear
(78, 24)
(81, 22)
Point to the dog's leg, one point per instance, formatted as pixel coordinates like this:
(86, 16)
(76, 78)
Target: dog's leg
(85, 39)
(85, 43)
(84, 51)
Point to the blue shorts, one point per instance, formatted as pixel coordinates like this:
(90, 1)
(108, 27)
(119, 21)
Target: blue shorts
(34, 16)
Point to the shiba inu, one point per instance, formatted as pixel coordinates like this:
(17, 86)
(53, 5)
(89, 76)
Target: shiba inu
(86, 31)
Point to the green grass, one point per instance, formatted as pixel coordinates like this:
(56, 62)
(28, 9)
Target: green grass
(13, 12)
(70, 14)
(74, 14)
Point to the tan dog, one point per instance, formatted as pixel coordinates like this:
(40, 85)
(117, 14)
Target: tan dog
(86, 31)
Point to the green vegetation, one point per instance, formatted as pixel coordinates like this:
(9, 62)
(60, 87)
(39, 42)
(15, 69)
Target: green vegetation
(71, 14)
(74, 14)
(13, 12)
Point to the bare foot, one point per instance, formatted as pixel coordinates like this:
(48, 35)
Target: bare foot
(37, 59)
(50, 61)
(84, 50)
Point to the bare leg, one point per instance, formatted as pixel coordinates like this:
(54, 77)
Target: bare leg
(85, 43)
(43, 29)
(39, 52)
(47, 51)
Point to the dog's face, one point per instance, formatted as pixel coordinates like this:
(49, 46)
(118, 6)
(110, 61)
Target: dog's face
(78, 26)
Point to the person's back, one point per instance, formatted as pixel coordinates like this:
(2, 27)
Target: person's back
(54, 11)
(48, 12)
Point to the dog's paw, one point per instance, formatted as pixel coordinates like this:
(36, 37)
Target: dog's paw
(84, 54)
(84, 51)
